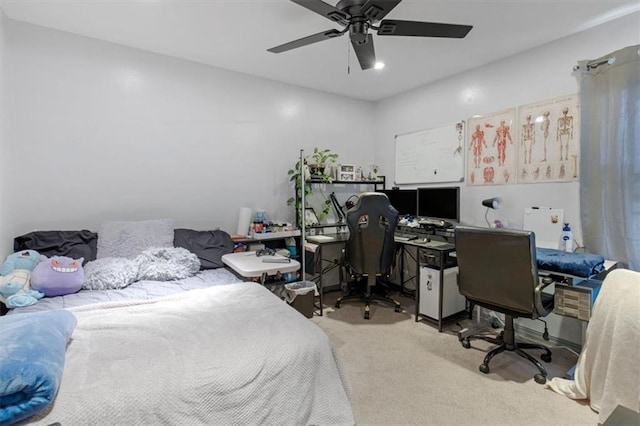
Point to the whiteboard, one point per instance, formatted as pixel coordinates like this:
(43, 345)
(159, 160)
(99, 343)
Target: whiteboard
(431, 156)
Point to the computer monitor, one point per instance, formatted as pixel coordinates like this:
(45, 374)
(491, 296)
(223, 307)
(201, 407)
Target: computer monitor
(439, 203)
(404, 200)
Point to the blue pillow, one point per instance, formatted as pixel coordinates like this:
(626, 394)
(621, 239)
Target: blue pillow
(31, 361)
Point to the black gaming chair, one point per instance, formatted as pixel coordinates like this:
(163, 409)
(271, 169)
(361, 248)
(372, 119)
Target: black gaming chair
(497, 269)
(370, 250)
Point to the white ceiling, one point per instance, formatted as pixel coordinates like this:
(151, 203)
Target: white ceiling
(235, 35)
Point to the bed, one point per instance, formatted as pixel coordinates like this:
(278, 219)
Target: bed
(608, 373)
(207, 349)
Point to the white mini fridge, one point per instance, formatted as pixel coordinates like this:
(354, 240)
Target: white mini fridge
(452, 301)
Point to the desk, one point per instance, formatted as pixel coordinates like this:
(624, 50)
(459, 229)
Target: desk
(425, 256)
(436, 272)
(341, 239)
(267, 237)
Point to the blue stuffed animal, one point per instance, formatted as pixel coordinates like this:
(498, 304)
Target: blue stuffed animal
(15, 289)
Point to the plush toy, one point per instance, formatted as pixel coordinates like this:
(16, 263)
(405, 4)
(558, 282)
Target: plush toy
(15, 290)
(58, 276)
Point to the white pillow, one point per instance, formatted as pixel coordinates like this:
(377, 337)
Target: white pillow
(129, 239)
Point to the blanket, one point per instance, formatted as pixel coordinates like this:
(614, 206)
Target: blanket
(137, 290)
(224, 355)
(154, 264)
(578, 264)
(608, 371)
(32, 358)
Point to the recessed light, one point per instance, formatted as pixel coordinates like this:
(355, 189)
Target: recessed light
(379, 65)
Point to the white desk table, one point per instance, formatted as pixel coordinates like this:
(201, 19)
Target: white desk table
(248, 265)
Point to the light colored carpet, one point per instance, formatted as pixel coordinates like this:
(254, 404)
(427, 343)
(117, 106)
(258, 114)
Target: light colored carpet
(403, 372)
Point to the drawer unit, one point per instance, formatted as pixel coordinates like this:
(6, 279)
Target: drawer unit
(433, 295)
(436, 259)
(437, 296)
(576, 301)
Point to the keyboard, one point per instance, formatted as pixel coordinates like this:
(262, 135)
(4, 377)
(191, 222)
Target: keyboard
(436, 222)
(404, 237)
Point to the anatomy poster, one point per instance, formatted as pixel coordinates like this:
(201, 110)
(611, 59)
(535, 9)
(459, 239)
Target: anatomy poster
(492, 148)
(549, 140)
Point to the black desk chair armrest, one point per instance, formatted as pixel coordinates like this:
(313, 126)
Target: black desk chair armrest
(540, 308)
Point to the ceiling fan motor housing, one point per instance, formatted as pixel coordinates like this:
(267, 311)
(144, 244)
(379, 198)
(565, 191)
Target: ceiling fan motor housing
(358, 30)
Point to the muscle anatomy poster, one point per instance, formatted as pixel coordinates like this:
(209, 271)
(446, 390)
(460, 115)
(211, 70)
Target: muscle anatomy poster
(549, 140)
(491, 158)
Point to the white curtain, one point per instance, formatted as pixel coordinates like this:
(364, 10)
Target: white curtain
(610, 155)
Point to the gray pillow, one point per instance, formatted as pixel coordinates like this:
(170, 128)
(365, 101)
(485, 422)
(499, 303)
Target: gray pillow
(209, 246)
(74, 244)
(129, 239)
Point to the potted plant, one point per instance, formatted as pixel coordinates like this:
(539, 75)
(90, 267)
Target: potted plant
(318, 160)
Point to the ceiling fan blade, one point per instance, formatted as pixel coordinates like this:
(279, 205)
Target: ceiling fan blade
(378, 9)
(365, 52)
(325, 9)
(390, 27)
(325, 35)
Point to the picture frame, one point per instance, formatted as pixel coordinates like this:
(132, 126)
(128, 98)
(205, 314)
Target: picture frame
(347, 168)
(346, 176)
(310, 217)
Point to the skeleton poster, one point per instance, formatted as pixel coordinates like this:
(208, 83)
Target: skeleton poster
(549, 140)
(491, 158)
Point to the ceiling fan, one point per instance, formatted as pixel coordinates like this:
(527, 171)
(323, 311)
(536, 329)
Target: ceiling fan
(358, 17)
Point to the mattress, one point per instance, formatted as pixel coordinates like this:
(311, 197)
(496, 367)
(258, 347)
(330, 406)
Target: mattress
(230, 354)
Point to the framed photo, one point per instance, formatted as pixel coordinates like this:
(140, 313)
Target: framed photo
(347, 168)
(346, 176)
(310, 217)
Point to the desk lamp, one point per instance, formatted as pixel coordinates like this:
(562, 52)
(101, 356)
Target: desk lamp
(491, 203)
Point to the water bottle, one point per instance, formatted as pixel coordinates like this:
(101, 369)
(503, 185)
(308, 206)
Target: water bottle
(291, 246)
(566, 238)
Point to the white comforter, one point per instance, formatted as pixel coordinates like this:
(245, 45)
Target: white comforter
(227, 355)
(608, 371)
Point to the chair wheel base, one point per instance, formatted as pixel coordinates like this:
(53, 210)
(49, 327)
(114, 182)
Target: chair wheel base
(545, 357)
(366, 315)
(337, 305)
(465, 343)
(484, 368)
(398, 309)
(539, 378)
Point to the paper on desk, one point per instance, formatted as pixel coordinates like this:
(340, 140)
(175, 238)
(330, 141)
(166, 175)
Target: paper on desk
(319, 238)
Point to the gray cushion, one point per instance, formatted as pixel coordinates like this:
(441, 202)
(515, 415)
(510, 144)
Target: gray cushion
(209, 246)
(74, 244)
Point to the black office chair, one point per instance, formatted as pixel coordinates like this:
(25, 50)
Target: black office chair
(497, 270)
(370, 251)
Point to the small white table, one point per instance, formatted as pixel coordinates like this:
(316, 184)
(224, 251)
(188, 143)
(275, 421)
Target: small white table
(248, 265)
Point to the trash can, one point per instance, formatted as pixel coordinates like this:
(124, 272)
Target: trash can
(300, 295)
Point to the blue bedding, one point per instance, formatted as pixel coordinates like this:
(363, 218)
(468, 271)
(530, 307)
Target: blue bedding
(31, 361)
(577, 264)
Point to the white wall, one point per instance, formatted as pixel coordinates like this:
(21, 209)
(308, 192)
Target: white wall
(538, 74)
(5, 237)
(105, 132)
